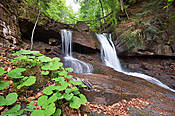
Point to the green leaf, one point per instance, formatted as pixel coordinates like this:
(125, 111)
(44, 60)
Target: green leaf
(16, 73)
(63, 73)
(75, 102)
(13, 111)
(25, 52)
(28, 82)
(69, 76)
(2, 101)
(42, 101)
(76, 92)
(63, 86)
(76, 82)
(59, 95)
(52, 98)
(30, 106)
(69, 69)
(50, 109)
(1, 71)
(49, 90)
(38, 113)
(44, 72)
(68, 96)
(83, 99)
(52, 66)
(57, 113)
(4, 84)
(44, 59)
(11, 98)
(56, 59)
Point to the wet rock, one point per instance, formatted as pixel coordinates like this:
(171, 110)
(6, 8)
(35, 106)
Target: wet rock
(84, 38)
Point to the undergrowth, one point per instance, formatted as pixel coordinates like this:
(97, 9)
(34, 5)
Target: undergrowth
(62, 90)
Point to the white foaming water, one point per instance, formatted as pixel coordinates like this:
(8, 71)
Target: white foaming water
(109, 56)
(69, 61)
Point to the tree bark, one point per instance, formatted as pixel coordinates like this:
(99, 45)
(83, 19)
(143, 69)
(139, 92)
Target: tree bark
(34, 30)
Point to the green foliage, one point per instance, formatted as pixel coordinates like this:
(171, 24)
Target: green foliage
(9, 100)
(91, 12)
(63, 90)
(4, 84)
(27, 81)
(55, 9)
(1, 71)
(16, 73)
(14, 111)
(25, 52)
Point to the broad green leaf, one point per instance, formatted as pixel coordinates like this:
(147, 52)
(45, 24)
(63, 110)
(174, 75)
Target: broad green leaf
(57, 113)
(68, 96)
(74, 89)
(2, 101)
(38, 113)
(42, 100)
(76, 92)
(30, 106)
(59, 95)
(49, 90)
(25, 52)
(4, 84)
(69, 76)
(50, 109)
(83, 99)
(63, 73)
(52, 98)
(11, 98)
(51, 66)
(63, 86)
(16, 73)
(76, 82)
(1, 71)
(56, 59)
(69, 69)
(75, 102)
(28, 82)
(44, 59)
(44, 72)
(12, 111)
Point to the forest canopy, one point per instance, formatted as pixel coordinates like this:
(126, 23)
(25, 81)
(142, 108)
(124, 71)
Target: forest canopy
(95, 13)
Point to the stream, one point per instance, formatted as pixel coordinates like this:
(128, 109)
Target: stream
(109, 57)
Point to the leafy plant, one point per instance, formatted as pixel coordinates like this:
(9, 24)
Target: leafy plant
(1, 71)
(9, 100)
(27, 81)
(16, 73)
(4, 84)
(64, 88)
(14, 111)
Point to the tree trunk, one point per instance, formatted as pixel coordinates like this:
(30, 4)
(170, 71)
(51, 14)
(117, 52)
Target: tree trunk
(34, 30)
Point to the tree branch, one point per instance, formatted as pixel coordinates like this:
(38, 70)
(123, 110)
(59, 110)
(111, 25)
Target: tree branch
(100, 18)
(34, 30)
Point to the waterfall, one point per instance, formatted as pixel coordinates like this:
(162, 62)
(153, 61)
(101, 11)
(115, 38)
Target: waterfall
(109, 57)
(69, 61)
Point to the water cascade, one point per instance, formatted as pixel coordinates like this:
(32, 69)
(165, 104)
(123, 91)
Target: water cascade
(109, 57)
(69, 60)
